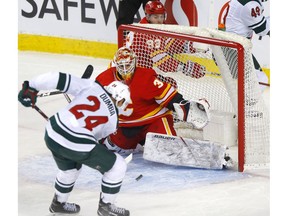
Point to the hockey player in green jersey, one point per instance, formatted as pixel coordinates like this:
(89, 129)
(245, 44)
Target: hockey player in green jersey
(74, 133)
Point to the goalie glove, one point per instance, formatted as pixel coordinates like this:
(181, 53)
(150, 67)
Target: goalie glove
(27, 95)
(193, 69)
(194, 112)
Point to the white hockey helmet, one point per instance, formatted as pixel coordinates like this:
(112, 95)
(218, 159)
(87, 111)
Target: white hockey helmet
(120, 92)
(125, 62)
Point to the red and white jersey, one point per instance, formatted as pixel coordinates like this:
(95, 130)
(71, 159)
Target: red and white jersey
(246, 16)
(149, 96)
(90, 117)
(156, 51)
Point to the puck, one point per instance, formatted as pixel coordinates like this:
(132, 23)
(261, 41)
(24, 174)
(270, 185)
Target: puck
(139, 177)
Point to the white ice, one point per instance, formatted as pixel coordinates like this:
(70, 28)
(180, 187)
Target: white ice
(163, 190)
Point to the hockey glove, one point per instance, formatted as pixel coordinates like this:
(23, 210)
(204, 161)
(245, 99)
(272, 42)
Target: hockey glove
(27, 95)
(193, 69)
(194, 112)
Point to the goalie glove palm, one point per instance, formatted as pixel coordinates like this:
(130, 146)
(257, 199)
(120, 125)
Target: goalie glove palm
(194, 112)
(27, 95)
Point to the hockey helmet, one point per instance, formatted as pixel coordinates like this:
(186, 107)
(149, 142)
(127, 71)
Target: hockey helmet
(154, 7)
(125, 62)
(120, 92)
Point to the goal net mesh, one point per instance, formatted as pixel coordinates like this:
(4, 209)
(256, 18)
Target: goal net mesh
(230, 83)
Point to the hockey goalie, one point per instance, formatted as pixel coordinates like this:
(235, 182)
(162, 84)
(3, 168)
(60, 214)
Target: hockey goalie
(153, 103)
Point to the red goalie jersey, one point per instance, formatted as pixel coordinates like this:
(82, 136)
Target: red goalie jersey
(152, 102)
(149, 96)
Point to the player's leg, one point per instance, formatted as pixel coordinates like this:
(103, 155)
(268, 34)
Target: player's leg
(130, 140)
(66, 177)
(162, 125)
(125, 140)
(113, 167)
(68, 173)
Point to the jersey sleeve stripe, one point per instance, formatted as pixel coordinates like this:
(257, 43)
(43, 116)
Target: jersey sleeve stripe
(64, 82)
(61, 81)
(260, 28)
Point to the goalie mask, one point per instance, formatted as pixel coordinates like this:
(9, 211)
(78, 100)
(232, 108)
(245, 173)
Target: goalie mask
(125, 62)
(120, 92)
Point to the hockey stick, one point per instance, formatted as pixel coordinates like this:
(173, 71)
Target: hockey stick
(40, 112)
(86, 75)
(266, 84)
(212, 73)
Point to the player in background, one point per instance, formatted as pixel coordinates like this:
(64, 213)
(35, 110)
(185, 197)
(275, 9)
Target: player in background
(155, 51)
(244, 18)
(152, 102)
(73, 135)
(128, 10)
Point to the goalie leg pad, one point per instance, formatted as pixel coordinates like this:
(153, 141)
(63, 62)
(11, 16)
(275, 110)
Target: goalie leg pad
(179, 151)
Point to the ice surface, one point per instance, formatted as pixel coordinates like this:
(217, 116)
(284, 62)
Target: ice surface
(163, 190)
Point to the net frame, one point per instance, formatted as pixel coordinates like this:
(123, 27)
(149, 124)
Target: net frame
(215, 42)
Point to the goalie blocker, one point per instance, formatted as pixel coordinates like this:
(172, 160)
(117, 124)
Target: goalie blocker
(178, 151)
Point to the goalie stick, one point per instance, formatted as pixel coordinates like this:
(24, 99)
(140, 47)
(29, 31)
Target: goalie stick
(86, 75)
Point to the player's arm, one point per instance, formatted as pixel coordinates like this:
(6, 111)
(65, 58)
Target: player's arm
(192, 111)
(27, 96)
(64, 82)
(253, 17)
(50, 81)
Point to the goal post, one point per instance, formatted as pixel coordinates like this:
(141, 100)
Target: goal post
(230, 83)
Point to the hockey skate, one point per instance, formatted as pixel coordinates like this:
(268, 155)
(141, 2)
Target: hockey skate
(66, 208)
(108, 209)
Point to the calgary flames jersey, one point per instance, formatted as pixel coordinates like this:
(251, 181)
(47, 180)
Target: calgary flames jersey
(149, 96)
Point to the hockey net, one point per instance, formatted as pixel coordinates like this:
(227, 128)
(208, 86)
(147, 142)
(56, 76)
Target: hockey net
(239, 116)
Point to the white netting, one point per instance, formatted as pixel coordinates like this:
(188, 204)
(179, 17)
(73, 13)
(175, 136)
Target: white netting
(170, 49)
